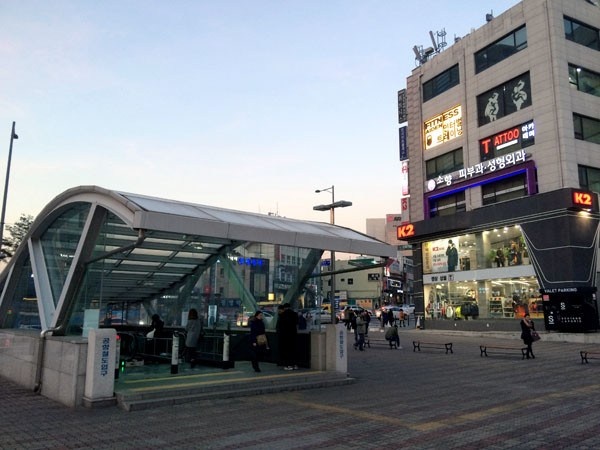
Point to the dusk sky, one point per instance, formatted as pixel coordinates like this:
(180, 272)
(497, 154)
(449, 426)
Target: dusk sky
(247, 105)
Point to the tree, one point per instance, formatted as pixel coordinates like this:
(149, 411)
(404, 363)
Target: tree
(17, 232)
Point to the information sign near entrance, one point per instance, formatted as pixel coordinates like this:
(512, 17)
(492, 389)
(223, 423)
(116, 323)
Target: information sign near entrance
(572, 310)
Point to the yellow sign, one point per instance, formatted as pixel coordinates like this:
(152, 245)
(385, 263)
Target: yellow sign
(443, 127)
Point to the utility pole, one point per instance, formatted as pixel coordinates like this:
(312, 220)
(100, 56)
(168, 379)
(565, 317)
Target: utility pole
(13, 136)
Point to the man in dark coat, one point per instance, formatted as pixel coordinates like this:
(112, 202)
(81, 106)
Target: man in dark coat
(287, 331)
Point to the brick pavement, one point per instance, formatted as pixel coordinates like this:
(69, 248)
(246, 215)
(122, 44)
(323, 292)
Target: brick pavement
(401, 399)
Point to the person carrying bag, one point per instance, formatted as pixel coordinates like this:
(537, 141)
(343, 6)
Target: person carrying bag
(258, 339)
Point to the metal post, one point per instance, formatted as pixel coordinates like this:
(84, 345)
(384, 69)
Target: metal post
(332, 268)
(332, 265)
(13, 136)
(331, 209)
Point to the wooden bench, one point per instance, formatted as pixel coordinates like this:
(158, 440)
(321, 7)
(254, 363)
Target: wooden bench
(383, 342)
(586, 354)
(417, 345)
(502, 350)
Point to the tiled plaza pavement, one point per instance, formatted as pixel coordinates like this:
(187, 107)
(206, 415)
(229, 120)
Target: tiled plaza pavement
(401, 399)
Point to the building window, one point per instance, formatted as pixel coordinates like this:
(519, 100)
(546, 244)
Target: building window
(350, 280)
(447, 205)
(503, 190)
(446, 163)
(589, 178)
(584, 80)
(501, 49)
(586, 128)
(581, 33)
(441, 83)
(503, 100)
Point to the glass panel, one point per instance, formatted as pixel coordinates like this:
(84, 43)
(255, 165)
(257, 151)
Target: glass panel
(589, 178)
(59, 243)
(441, 83)
(21, 311)
(501, 49)
(586, 128)
(504, 190)
(582, 34)
(446, 163)
(584, 80)
(505, 99)
(448, 205)
(495, 297)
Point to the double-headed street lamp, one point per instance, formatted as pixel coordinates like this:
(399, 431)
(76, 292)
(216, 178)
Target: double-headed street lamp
(331, 208)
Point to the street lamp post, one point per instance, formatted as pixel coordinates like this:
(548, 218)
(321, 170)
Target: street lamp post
(331, 208)
(13, 136)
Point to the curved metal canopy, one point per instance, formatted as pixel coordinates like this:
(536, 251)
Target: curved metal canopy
(149, 245)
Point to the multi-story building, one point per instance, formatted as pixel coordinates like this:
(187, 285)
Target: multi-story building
(394, 285)
(502, 149)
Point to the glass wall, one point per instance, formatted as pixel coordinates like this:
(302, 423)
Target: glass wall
(480, 275)
(248, 277)
(498, 298)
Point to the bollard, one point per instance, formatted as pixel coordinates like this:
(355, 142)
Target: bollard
(175, 354)
(117, 357)
(225, 347)
(420, 322)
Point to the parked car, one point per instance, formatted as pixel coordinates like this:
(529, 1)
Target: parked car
(318, 316)
(410, 309)
(242, 319)
(357, 310)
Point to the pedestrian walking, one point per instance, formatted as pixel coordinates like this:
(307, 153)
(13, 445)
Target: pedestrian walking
(526, 334)
(193, 330)
(258, 339)
(361, 328)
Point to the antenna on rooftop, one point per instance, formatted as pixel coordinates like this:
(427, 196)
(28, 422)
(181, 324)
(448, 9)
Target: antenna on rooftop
(490, 16)
(438, 39)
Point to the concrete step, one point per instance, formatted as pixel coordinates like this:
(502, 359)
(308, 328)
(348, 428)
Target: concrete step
(155, 394)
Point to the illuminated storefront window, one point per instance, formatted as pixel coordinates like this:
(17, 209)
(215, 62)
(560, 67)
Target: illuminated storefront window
(457, 285)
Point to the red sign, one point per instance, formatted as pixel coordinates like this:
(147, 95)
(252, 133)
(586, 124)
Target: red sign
(582, 199)
(405, 231)
(520, 136)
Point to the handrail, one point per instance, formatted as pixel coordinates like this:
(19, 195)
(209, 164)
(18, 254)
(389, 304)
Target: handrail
(41, 349)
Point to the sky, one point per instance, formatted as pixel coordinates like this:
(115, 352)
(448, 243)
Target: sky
(246, 105)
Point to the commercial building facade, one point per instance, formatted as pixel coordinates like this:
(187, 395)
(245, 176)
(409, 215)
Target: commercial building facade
(502, 150)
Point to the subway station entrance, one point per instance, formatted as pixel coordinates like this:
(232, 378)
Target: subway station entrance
(96, 259)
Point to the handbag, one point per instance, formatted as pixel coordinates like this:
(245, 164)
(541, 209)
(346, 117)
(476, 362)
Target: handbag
(535, 336)
(261, 340)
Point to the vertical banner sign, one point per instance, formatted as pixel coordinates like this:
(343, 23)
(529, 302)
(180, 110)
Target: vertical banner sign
(402, 115)
(404, 179)
(403, 142)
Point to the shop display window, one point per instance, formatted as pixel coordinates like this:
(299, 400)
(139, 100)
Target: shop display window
(501, 298)
(449, 261)
(494, 248)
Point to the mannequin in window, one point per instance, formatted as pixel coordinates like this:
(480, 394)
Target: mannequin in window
(452, 255)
